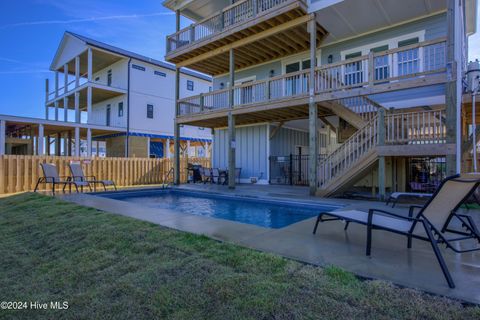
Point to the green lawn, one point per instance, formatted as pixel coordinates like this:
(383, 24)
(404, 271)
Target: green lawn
(109, 266)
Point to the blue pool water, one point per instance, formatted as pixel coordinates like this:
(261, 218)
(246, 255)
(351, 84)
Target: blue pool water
(264, 213)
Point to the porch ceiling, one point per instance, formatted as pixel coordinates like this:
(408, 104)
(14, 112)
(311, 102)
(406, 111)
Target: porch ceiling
(101, 60)
(98, 95)
(209, 57)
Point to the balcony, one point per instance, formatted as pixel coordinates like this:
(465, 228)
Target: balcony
(266, 30)
(282, 97)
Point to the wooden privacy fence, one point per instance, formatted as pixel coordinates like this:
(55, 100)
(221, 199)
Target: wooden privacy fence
(20, 173)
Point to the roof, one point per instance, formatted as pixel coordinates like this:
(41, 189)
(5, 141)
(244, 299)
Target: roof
(130, 54)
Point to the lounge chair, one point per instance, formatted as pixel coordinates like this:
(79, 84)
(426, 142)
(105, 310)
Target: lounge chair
(430, 224)
(394, 197)
(50, 175)
(79, 176)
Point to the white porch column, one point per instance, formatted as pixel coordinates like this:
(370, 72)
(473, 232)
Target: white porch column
(3, 131)
(77, 71)
(65, 109)
(65, 144)
(188, 148)
(89, 104)
(56, 110)
(65, 79)
(167, 149)
(77, 107)
(148, 147)
(41, 140)
(89, 64)
(56, 84)
(89, 142)
(207, 150)
(77, 142)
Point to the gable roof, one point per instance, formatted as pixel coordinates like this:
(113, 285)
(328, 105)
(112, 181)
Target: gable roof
(130, 54)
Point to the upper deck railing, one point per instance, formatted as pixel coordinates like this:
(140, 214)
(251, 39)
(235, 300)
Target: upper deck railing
(231, 16)
(397, 65)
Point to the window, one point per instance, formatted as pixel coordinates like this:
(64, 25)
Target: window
(108, 115)
(120, 109)
(109, 78)
(189, 85)
(159, 73)
(353, 70)
(97, 79)
(150, 111)
(408, 60)
(382, 69)
(135, 66)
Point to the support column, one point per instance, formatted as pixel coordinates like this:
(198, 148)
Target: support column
(381, 159)
(207, 150)
(56, 110)
(451, 98)
(77, 142)
(167, 149)
(89, 104)
(65, 109)
(47, 93)
(58, 144)
(56, 84)
(312, 113)
(188, 148)
(77, 71)
(77, 107)
(48, 149)
(65, 144)
(40, 140)
(231, 125)
(97, 146)
(65, 79)
(89, 142)
(176, 131)
(89, 64)
(3, 132)
(69, 143)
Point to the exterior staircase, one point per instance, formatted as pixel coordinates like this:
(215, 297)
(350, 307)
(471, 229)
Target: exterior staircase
(343, 167)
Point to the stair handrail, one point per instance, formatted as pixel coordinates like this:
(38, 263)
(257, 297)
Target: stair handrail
(362, 141)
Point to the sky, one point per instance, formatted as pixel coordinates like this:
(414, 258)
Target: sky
(31, 30)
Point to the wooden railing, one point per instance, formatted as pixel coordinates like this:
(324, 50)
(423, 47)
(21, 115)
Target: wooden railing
(231, 16)
(420, 127)
(410, 62)
(20, 173)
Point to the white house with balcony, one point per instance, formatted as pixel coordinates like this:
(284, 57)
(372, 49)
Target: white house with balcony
(132, 95)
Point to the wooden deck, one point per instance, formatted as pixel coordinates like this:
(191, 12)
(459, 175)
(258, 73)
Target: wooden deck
(258, 30)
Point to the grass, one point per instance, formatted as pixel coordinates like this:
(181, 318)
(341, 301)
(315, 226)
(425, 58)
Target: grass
(109, 266)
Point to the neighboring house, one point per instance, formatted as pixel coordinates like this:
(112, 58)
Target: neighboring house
(109, 94)
(380, 110)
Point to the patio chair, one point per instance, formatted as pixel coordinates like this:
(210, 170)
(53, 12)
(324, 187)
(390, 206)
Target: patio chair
(216, 176)
(430, 224)
(395, 196)
(205, 174)
(50, 175)
(79, 176)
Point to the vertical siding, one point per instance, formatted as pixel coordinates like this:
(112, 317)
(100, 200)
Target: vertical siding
(251, 152)
(285, 141)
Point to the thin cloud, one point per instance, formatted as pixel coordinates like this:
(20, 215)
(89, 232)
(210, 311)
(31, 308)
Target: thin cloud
(92, 19)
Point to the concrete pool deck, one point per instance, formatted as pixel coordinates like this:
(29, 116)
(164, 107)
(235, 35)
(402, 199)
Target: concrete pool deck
(416, 268)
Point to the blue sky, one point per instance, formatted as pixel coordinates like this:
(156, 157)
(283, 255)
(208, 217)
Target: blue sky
(30, 31)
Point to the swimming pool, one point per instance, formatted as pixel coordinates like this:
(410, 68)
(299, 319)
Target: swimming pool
(261, 212)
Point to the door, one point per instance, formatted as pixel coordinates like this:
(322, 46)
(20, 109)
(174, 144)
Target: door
(353, 70)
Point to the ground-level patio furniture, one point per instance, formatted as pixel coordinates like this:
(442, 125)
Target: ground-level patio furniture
(431, 223)
(205, 174)
(394, 197)
(78, 176)
(50, 175)
(219, 176)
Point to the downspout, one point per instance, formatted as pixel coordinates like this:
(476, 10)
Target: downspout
(128, 111)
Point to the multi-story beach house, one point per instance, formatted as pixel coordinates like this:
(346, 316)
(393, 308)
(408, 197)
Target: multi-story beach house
(113, 102)
(336, 94)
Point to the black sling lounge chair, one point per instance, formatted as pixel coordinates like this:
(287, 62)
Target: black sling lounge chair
(79, 176)
(430, 224)
(50, 175)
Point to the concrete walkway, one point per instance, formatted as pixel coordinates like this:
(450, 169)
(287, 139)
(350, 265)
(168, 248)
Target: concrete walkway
(390, 260)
